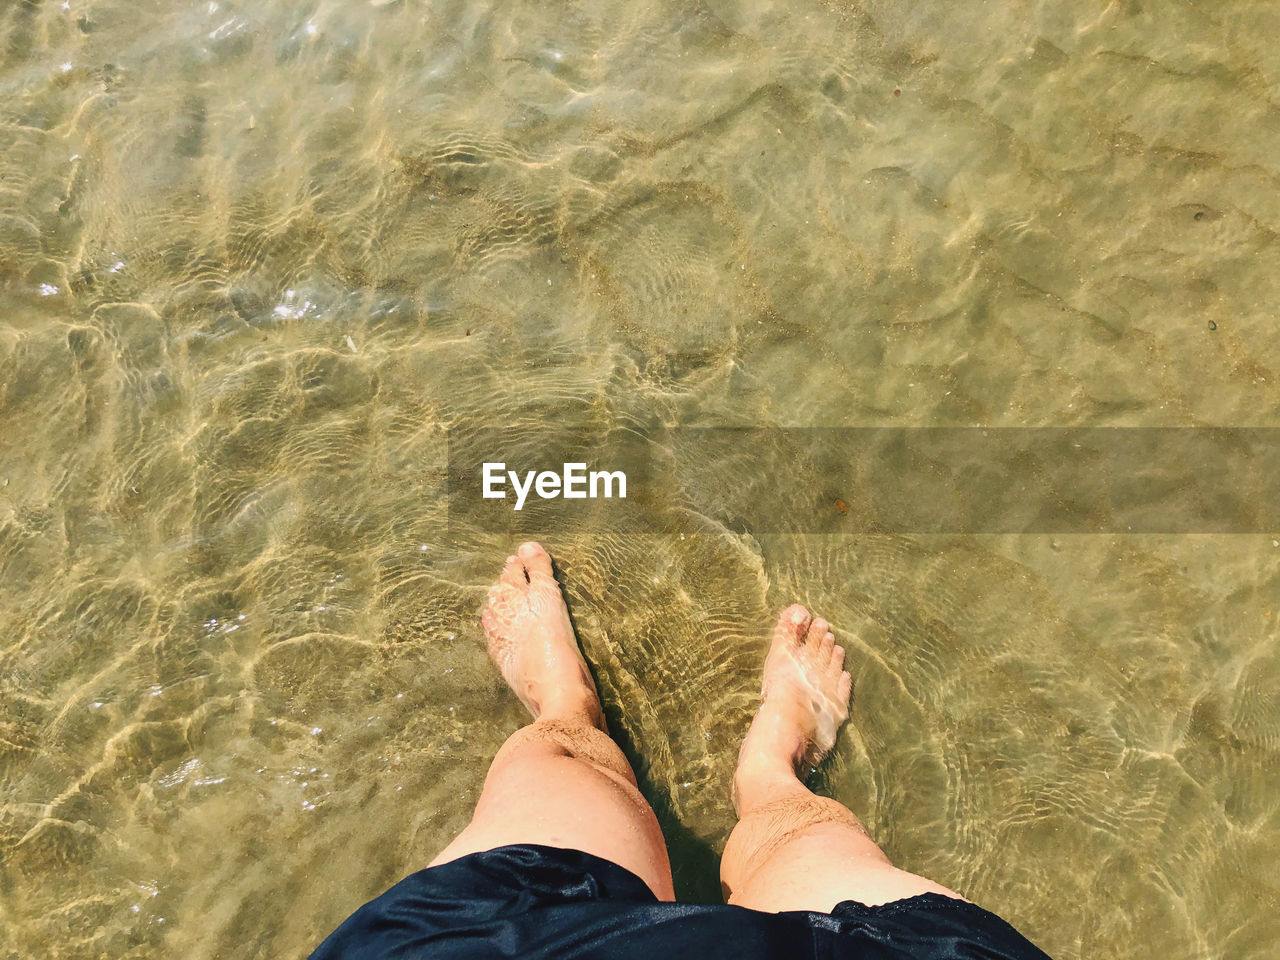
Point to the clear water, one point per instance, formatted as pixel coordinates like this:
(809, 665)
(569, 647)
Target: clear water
(256, 259)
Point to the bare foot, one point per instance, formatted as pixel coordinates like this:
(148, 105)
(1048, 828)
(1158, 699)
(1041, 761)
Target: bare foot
(804, 699)
(531, 639)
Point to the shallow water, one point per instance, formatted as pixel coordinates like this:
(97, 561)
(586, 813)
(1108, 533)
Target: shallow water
(257, 259)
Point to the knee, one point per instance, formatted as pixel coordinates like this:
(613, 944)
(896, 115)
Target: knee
(569, 738)
(771, 826)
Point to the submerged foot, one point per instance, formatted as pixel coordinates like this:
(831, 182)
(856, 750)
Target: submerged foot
(804, 699)
(532, 642)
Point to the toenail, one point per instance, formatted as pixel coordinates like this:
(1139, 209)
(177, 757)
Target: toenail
(798, 617)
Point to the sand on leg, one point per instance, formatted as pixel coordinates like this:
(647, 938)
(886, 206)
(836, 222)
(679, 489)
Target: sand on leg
(791, 849)
(560, 781)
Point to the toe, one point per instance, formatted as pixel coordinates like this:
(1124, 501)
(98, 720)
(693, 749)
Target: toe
(535, 558)
(818, 644)
(837, 655)
(792, 624)
(817, 630)
(845, 688)
(513, 573)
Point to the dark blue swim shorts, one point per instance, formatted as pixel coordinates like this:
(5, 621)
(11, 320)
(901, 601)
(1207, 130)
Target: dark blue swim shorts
(535, 901)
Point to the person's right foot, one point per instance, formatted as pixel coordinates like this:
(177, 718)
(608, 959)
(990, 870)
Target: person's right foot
(804, 698)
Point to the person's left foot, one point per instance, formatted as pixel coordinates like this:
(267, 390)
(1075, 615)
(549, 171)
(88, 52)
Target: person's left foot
(531, 639)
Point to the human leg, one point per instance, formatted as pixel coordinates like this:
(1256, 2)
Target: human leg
(792, 850)
(560, 781)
